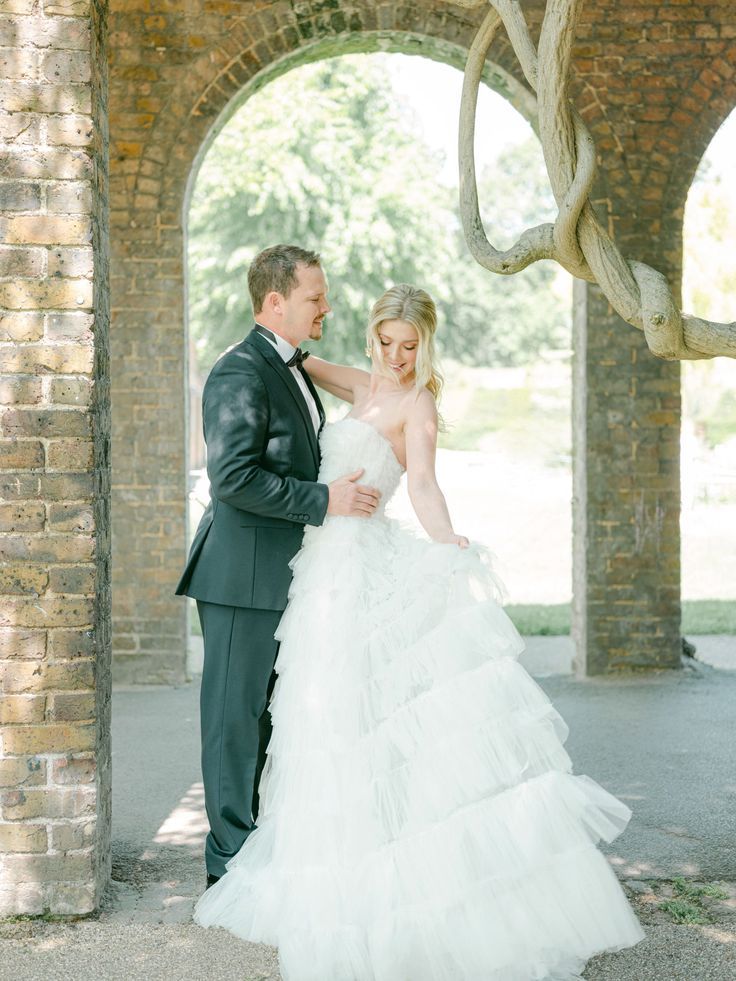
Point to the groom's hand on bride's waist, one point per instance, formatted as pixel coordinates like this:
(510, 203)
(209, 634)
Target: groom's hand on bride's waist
(351, 499)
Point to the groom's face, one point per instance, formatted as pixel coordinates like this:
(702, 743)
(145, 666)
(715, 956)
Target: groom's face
(304, 309)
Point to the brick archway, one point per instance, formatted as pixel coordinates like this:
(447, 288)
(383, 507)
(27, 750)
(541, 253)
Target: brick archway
(164, 112)
(151, 180)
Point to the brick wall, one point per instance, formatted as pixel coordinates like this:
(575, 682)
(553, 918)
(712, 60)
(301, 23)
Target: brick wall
(54, 458)
(652, 80)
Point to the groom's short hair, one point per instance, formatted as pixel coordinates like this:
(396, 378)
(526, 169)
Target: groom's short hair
(274, 269)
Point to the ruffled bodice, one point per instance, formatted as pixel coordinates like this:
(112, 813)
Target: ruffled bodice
(352, 444)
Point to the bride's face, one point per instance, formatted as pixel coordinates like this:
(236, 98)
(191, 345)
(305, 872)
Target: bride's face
(399, 342)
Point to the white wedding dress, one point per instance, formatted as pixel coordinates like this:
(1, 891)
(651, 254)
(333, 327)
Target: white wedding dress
(419, 817)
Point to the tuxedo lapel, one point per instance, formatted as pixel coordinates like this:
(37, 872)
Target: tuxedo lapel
(282, 373)
(313, 391)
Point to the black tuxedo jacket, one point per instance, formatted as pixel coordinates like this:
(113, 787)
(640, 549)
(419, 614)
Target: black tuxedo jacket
(263, 463)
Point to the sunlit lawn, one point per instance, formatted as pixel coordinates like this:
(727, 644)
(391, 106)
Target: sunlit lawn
(698, 617)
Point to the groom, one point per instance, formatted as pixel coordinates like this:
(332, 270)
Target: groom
(262, 418)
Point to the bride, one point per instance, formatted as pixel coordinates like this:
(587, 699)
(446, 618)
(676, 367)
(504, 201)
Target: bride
(419, 818)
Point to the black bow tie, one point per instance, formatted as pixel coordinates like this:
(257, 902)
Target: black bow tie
(297, 358)
(295, 361)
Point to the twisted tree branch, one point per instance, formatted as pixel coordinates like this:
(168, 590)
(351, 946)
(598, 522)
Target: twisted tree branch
(577, 240)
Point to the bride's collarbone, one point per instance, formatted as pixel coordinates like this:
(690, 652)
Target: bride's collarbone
(383, 395)
(384, 411)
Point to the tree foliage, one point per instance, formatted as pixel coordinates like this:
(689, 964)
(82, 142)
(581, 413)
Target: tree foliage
(499, 320)
(327, 158)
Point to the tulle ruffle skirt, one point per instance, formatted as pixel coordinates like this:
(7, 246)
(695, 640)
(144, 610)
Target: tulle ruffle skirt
(420, 820)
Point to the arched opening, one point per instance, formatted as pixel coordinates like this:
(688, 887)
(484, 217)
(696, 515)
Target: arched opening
(152, 179)
(377, 196)
(709, 409)
(155, 157)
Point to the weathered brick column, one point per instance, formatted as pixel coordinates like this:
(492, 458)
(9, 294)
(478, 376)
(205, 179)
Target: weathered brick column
(626, 552)
(54, 458)
(665, 76)
(626, 435)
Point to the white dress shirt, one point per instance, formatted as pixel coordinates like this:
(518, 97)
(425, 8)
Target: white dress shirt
(286, 351)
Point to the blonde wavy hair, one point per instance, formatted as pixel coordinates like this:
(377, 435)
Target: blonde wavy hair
(416, 307)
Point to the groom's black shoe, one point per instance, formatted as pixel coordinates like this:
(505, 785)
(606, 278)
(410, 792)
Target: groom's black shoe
(212, 879)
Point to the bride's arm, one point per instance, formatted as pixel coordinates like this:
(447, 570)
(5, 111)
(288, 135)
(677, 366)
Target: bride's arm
(337, 379)
(426, 497)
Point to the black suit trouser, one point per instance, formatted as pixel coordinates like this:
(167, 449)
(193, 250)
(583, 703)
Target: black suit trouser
(237, 682)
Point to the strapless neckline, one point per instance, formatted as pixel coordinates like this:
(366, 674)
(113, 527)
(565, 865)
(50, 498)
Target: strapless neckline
(384, 439)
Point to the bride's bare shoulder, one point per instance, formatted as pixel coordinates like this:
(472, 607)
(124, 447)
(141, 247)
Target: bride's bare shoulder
(420, 403)
(420, 413)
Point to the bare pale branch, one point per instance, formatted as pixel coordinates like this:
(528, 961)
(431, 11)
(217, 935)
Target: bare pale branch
(577, 240)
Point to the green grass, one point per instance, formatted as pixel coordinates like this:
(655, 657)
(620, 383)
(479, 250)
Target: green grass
(686, 904)
(698, 617)
(489, 411)
(694, 893)
(709, 617)
(682, 911)
(537, 620)
(520, 423)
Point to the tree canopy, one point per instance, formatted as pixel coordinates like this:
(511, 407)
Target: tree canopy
(327, 158)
